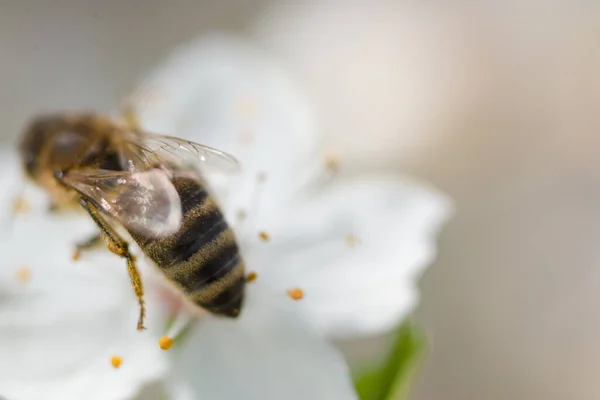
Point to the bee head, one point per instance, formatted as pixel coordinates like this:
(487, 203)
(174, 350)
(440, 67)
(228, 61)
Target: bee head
(35, 138)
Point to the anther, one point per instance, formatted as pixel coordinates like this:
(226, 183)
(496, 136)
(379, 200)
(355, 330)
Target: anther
(76, 254)
(351, 240)
(263, 236)
(22, 274)
(19, 205)
(332, 161)
(165, 342)
(116, 361)
(295, 294)
(251, 277)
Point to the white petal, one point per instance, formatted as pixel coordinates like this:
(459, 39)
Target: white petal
(266, 354)
(223, 93)
(60, 327)
(352, 289)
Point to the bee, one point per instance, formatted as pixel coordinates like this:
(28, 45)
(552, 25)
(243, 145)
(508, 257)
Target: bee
(126, 178)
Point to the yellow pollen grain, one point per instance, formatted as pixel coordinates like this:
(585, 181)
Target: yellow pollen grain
(295, 294)
(351, 240)
(19, 206)
(165, 342)
(22, 274)
(116, 361)
(332, 161)
(263, 236)
(251, 277)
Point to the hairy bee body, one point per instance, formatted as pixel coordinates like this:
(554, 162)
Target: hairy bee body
(61, 142)
(202, 257)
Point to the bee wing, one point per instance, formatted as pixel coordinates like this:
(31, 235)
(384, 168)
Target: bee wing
(144, 202)
(181, 151)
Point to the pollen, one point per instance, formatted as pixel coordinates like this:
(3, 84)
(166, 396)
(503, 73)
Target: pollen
(295, 294)
(251, 277)
(116, 361)
(332, 161)
(76, 254)
(22, 274)
(351, 240)
(263, 236)
(165, 342)
(19, 205)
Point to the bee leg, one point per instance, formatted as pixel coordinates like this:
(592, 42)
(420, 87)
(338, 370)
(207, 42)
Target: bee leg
(119, 247)
(89, 244)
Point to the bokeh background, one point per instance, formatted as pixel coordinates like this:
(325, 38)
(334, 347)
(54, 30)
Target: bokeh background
(494, 102)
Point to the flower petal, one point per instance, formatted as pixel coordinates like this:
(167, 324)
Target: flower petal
(265, 354)
(223, 93)
(61, 322)
(354, 249)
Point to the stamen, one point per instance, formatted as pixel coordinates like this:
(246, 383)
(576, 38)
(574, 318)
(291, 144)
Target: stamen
(253, 206)
(22, 274)
(263, 236)
(76, 254)
(20, 205)
(165, 342)
(251, 277)
(332, 161)
(180, 324)
(295, 294)
(116, 361)
(351, 240)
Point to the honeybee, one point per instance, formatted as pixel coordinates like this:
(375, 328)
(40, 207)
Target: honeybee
(124, 177)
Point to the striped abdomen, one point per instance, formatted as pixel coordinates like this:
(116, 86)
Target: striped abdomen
(203, 258)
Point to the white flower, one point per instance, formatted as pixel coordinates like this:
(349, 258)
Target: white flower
(352, 247)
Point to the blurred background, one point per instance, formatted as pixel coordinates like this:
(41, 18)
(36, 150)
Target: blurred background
(493, 102)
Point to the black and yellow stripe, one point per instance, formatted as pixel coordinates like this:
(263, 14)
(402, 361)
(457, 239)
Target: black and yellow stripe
(202, 258)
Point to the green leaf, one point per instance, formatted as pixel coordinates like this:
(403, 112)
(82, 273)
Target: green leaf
(392, 379)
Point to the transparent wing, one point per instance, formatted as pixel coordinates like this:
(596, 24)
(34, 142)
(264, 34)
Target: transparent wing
(181, 151)
(144, 202)
(141, 151)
